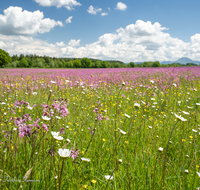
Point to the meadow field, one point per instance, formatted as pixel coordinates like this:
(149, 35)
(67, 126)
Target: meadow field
(126, 128)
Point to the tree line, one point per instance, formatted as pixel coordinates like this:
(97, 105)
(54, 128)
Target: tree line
(35, 61)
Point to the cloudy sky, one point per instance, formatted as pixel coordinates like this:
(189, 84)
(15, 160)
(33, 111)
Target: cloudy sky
(127, 30)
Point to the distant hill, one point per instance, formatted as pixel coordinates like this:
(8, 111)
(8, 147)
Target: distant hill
(183, 60)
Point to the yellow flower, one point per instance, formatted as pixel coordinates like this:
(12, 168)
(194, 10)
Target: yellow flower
(85, 186)
(183, 140)
(94, 181)
(82, 152)
(197, 166)
(191, 137)
(104, 140)
(126, 142)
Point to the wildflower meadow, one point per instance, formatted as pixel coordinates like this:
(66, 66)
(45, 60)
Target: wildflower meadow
(126, 128)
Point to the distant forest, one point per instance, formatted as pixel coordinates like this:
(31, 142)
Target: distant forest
(35, 61)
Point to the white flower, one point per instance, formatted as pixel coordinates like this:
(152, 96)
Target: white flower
(66, 80)
(123, 83)
(152, 98)
(174, 84)
(198, 104)
(198, 173)
(179, 102)
(186, 171)
(195, 89)
(34, 93)
(58, 117)
(46, 118)
(109, 177)
(53, 82)
(3, 103)
(160, 149)
(186, 113)
(29, 107)
(14, 129)
(122, 132)
(136, 105)
(150, 127)
(56, 135)
(151, 81)
(68, 140)
(85, 159)
(180, 118)
(56, 177)
(120, 160)
(64, 152)
(187, 156)
(127, 115)
(194, 130)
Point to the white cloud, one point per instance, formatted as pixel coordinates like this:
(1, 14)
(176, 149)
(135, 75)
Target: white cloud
(15, 21)
(60, 44)
(93, 10)
(69, 4)
(121, 6)
(141, 41)
(69, 20)
(73, 42)
(104, 14)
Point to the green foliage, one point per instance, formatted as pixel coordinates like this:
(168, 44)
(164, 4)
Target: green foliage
(4, 58)
(132, 64)
(86, 63)
(156, 64)
(77, 63)
(98, 64)
(52, 64)
(23, 63)
(104, 64)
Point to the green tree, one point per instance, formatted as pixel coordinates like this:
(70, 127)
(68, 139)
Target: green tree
(30, 63)
(86, 63)
(52, 64)
(116, 65)
(23, 63)
(4, 58)
(132, 64)
(98, 64)
(156, 64)
(104, 64)
(77, 63)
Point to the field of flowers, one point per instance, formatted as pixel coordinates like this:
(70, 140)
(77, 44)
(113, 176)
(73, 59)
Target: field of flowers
(130, 128)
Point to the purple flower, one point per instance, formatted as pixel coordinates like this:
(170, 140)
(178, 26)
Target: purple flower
(62, 130)
(44, 126)
(51, 152)
(74, 153)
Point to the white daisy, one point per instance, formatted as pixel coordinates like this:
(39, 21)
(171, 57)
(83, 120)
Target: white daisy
(137, 105)
(127, 115)
(109, 177)
(85, 159)
(180, 118)
(46, 118)
(64, 152)
(122, 132)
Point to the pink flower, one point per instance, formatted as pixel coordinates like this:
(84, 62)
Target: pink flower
(74, 153)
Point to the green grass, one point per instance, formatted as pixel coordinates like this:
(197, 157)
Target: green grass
(143, 166)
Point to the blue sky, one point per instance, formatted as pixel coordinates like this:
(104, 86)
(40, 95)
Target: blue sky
(126, 30)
